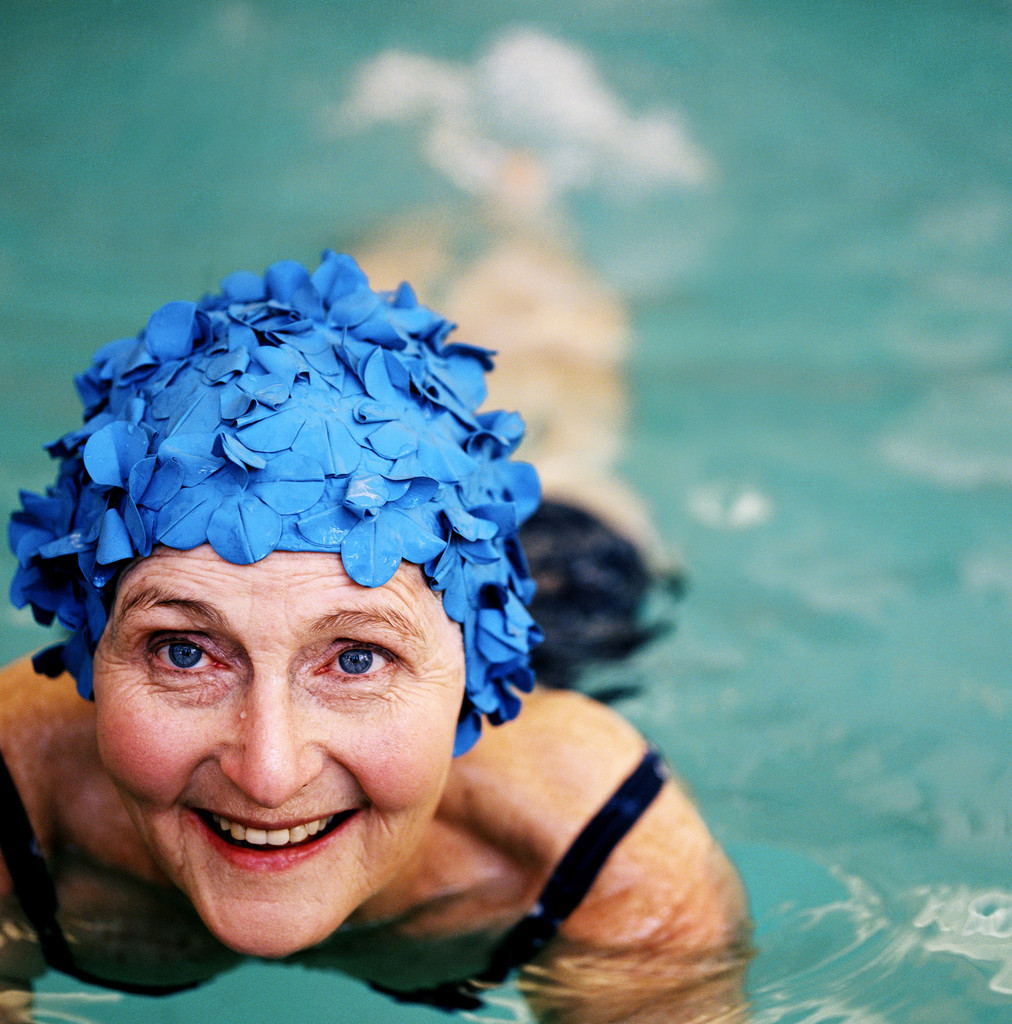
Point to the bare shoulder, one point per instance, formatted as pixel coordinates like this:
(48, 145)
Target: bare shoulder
(32, 713)
(46, 729)
(576, 744)
(530, 785)
(667, 883)
(48, 743)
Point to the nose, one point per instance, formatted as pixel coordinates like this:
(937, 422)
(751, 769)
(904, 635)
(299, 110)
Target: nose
(272, 756)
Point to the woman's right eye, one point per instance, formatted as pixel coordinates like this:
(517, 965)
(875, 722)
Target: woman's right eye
(181, 654)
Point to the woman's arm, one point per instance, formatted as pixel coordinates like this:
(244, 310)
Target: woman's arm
(663, 932)
(636, 986)
(662, 936)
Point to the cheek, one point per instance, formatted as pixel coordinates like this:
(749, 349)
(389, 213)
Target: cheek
(404, 765)
(408, 774)
(144, 754)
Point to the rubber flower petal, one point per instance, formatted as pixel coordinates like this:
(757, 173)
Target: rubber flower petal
(111, 453)
(290, 483)
(244, 530)
(173, 329)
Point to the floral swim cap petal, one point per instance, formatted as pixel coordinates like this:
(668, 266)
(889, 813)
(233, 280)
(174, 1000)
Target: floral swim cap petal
(292, 412)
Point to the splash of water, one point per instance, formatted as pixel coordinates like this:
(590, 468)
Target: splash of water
(973, 924)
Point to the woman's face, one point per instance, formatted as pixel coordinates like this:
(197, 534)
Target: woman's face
(280, 735)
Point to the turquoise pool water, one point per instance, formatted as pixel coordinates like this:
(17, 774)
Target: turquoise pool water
(812, 236)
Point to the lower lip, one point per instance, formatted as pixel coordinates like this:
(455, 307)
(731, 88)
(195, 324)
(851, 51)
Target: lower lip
(270, 858)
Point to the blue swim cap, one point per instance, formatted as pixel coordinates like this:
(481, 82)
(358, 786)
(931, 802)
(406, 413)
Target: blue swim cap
(292, 412)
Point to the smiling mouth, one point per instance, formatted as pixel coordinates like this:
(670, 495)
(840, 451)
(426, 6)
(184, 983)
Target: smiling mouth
(273, 839)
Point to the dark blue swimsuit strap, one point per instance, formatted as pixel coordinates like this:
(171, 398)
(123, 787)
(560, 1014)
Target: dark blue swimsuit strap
(569, 883)
(37, 894)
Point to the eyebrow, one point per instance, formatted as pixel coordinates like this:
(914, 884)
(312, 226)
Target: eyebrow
(355, 621)
(151, 596)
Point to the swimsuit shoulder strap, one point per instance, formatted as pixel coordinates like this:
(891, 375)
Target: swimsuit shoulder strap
(29, 874)
(581, 864)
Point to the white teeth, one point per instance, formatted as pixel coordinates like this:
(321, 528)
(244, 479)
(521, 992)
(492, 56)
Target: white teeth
(270, 837)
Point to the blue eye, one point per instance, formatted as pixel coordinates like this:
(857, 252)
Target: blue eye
(183, 655)
(355, 661)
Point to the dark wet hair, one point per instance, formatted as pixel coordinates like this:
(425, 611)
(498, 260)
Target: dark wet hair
(591, 586)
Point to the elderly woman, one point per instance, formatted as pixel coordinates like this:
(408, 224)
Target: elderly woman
(285, 546)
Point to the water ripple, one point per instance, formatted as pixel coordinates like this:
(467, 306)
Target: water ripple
(867, 960)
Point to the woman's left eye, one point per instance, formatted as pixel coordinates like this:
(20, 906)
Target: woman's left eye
(356, 661)
(181, 654)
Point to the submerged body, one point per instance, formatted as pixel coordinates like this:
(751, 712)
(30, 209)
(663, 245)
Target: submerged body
(224, 691)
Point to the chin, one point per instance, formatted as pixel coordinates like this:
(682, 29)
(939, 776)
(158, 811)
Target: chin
(268, 944)
(270, 933)
(264, 947)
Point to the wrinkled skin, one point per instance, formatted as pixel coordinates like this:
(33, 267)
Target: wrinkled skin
(267, 730)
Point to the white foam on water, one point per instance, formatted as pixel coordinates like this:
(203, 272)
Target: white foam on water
(835, 963)
(976, 924)
(528, 120)
(856, 960)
